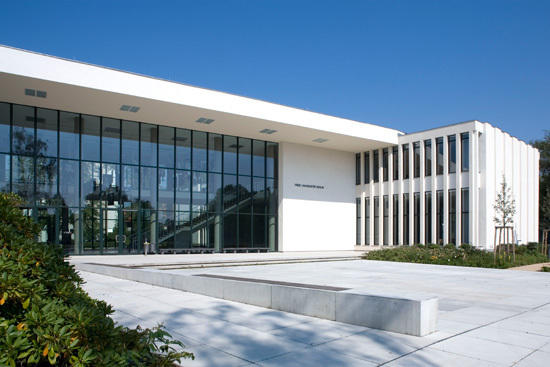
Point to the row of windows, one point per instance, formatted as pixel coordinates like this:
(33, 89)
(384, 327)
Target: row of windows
(416, 147)
(384, 237)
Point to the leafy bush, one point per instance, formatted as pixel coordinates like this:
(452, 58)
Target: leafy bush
(465, 255)
(545, 269)
(46, 318)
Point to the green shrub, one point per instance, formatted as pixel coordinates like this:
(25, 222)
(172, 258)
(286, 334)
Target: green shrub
(46, 318)
(465, 255)
(545, 269)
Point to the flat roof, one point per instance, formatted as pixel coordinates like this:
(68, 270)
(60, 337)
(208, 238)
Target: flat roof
(80, 87)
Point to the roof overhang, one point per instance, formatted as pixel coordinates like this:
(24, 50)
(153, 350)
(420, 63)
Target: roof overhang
(80, 87)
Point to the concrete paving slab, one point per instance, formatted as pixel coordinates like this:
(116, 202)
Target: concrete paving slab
(518, 338)
(527, 327)
(537, 359)
(315, 357)
(485, 350)
(430, 357)
(318, 331)
(206, 356)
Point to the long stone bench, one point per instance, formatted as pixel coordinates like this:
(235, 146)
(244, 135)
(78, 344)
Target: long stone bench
(411, 314)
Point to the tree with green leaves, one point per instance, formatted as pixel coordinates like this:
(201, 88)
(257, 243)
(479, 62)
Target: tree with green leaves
(543, 146)
(505, 205)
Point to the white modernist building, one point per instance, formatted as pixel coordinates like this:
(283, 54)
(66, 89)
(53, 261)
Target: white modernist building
(107, 160)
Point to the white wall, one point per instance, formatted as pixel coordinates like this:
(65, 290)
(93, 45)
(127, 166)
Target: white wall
(316, 219)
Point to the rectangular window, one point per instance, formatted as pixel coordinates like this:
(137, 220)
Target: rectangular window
(69, 139)
(451, 141)
(440, 217)
(386, 224)
(367, 167)
(428, 216)
(395, 219)
(385, 163)
(357, 169)
(375, 166)
(416, 152)
(465, 215)
(395, 160)
(376, 220)
(149, 136)
(427, 158)
(439, 156)
(110, 140)
(358, 221)
(367, 221)
(23, 130)
(405, 161)
(406, 238)
(46, 132)
(5, 127)
(452, 216)
(416, 218)
(465, 151)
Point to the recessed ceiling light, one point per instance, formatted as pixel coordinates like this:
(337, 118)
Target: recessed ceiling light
(268, 131)
(125, 107)
(204, 120)
(41, 93)
(134, 109)
(30, 92)
(319, 140)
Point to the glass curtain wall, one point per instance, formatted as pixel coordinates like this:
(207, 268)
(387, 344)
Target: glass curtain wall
(99, 185)
(367, 221)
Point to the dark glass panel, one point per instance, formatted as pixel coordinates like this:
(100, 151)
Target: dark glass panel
(245, 159)
(427, 157)
(451, 140)
(183, 149)
(406, 222)
(89, 181)
(215, 193)
(271, 192)
(110, 230)
(215, 147)
(385, 163)
(465, 219)
(215, 231)
(386, 220)
(199, 231)
(23, 130)
(245, 230)
(452, 216)
(90, 229)
(229, 154)
(439, 156)
(245, 194)
(130, 233)
(375, 166)
(46, 132)
(110, 141)
(259, 231)
(110, 184)
(183, 190)
(416, 159)
(358, 221)
(396, 219)
(149, 136)
(166, 232)
(23, 177)
(148, 189)
(272, 154)
(259, 195)
(405, 161)
(465, 151)
(4, 127)
(416, 219)
(230, 192)
(272, 233)
(367, 167)
(4, 173)
(395, 164)
(69, 230)
(166, 189)
(428, 217)
(199, 151)
(90, 137)
(166, 146)
(148, 220)
(68, 182)
(130, 142)
(367, 221)
(183, 230)
(69, 135)
(130, 186)
(439, 209)
(357, 168)
(46, 180)
(199, 181)
(230, 231)
(376, 220)
(46, 220)
(258, 158)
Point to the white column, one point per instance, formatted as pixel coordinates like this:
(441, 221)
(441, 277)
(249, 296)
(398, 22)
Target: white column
(458, 185)
(380, 200)
(422, 178)
(390, 196)
(371, 200)
(445, 190)
(400, 191)
(411, 194)
(434, 191)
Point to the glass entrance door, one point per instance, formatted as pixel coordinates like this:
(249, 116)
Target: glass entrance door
(110, 227)
(129, 239)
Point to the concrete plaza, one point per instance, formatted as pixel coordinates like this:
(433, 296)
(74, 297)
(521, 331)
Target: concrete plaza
(487, 317)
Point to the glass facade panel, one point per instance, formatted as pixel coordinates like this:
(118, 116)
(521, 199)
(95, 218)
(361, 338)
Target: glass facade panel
(358, 221)
(427, 157)
(385, 163)
(440, 218)
(166, 146)
(451, 141)
(386, 222)
(405, 161)
(46, 132)
(23, 130)
(375, 166)
(416, 218)
(5, 118)
(416, 152)
(376, 221)
(406, 222)
(100, 185)
(428, 217)
(465, 215)
(452, 216)
(367, 221)
(357, 168)
(367, 167)
(396, 219)
(439, 155)
(465, 151)
(395, 162)
(69, 135)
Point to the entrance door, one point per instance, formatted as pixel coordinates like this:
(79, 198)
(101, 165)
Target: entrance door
(128, 240)
(110, 228)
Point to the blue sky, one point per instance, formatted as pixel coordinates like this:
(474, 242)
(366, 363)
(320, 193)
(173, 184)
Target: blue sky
(409, 65)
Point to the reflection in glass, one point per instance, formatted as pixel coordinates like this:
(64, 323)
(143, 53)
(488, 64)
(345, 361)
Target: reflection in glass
(89, 181)
(183, 149)
(69, 230)
(229, 154)
(149, 137)
(68, 182)
(245, 230)
(130, 185)
(199, 151)
(149, 187)
(230, 193)
(110, 140)
(259, 194)
(258, 158)
(166, 146)
(4, 173)
(271, 159)
(199, 192)
(166, 229)
(230, 231)
(245, 192)
(23, 177)
(166, 189)
(183, 190)
(130, 142)
(215, 145)
(183, 230)
(69, 139)
(271, 192)
(23, 130)
(110, 183)
(46, 220)
(46, 132)
(90, 137)
(259, 230)
(245, 159)
(4, 127)
(214, 192)
(46, 180)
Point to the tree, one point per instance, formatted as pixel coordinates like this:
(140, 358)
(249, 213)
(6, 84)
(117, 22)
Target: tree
(505, 205)
(543, 146)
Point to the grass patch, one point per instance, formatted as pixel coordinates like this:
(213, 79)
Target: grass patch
(464, 255)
